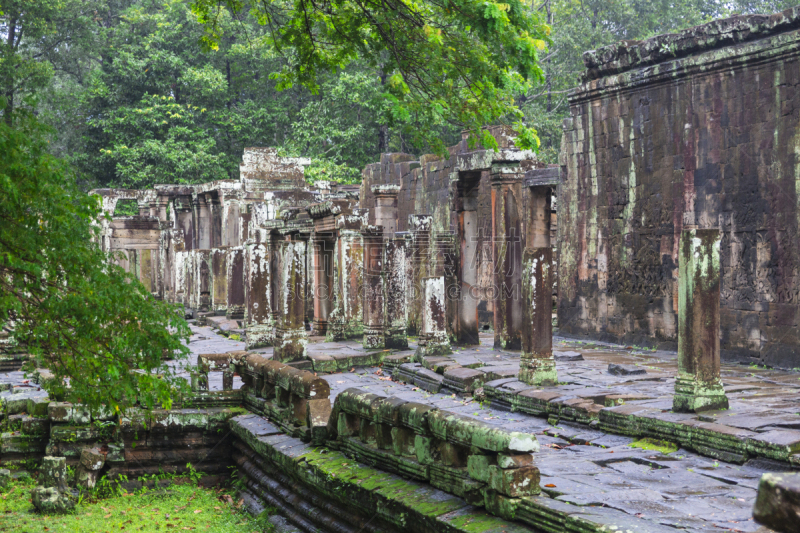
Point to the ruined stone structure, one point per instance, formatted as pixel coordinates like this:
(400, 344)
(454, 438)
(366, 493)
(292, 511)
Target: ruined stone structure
(431, 247)
(678, 225)
(691, 130)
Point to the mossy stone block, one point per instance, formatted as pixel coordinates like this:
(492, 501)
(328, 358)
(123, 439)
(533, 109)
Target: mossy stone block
(514, 482)
(15, 404)
(514, 460)
(20, 443)
(426, 449)
(53, 472)
(35, 426)
(478, 467)
(778, 501)
(49, 500)
(38, 406)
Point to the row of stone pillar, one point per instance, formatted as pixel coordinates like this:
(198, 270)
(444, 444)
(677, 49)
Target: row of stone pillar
(394, 265)
(528, 326)
(698, 385)
(211, 280)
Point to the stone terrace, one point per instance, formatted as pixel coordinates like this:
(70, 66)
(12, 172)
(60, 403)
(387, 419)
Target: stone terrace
(587, 423)
(608, 397)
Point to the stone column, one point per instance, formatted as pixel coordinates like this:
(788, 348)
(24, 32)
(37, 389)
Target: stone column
(183, 277)
(419, 258)
(698, 386)
(162, 202)
(260, 326)
(537, 365)
(276, 267)
(291, 337)
(386, 208)
(236, 280)
(174, 266)
(144, 207)
(202, 222)
(396, 281)
(346, 320)
(373, 287)
(446, 264)
(322, 290)
(204, 280)
(437, 303)
(219, 269)
(433, 339)
(182, 206)
(467, 275)
(507, 239)
(215, 213)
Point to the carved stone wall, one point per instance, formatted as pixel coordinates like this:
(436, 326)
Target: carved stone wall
(697, 129)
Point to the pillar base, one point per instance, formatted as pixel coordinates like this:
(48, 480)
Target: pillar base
(373, 338)
(259, 336)
(339, 328)
(506, 343)
(538, 371)
(432, 345)
(234, 312)
(338, 331)
(205, 303)
(692, 396)
(396, 338)
(319, 327)
(290, 345)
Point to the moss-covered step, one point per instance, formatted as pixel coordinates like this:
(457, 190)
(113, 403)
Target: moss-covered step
(400, 504)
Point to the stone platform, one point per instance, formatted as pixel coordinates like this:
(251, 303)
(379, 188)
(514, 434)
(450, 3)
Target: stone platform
(702, 477)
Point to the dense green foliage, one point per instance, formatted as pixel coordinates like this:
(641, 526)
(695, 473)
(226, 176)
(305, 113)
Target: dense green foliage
(95, 327)
(459, 62)
(352, 81)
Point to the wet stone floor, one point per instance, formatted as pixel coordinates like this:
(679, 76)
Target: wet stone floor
(579, 463)
(583, 465)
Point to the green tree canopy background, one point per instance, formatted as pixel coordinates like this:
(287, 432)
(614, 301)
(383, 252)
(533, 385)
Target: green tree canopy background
(154, 91)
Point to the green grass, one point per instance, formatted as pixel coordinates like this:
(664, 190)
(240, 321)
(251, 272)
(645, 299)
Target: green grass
(179, 507)
(663, 446)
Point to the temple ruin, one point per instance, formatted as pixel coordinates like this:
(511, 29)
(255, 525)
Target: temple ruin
(687, 131)
(429, 247)
(382, 357)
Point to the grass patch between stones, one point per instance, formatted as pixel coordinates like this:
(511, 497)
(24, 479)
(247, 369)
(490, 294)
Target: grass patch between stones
(663, 446)
(178, 507)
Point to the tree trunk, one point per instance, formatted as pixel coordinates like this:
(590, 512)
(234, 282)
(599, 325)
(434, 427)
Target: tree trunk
(9, 89)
